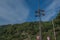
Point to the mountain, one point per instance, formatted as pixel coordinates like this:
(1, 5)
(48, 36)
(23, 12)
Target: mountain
(29, 30)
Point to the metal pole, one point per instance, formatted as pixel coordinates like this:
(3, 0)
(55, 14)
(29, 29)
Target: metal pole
(54, 30)
(39, 13)
(40, 31)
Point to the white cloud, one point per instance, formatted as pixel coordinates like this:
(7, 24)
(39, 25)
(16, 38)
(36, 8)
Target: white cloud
(14, 11)
(51, 10)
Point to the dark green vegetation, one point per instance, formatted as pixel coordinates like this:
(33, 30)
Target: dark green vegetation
(29, 30)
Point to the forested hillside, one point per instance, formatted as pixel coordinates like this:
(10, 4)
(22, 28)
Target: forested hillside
(29, 30)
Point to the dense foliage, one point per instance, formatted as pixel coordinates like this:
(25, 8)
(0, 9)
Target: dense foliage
(29, 30)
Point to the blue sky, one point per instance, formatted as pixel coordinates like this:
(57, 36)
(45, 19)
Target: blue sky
(19, 11)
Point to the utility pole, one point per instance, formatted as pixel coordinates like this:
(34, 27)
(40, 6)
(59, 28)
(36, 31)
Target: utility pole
(54, 30)
(38, 14)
